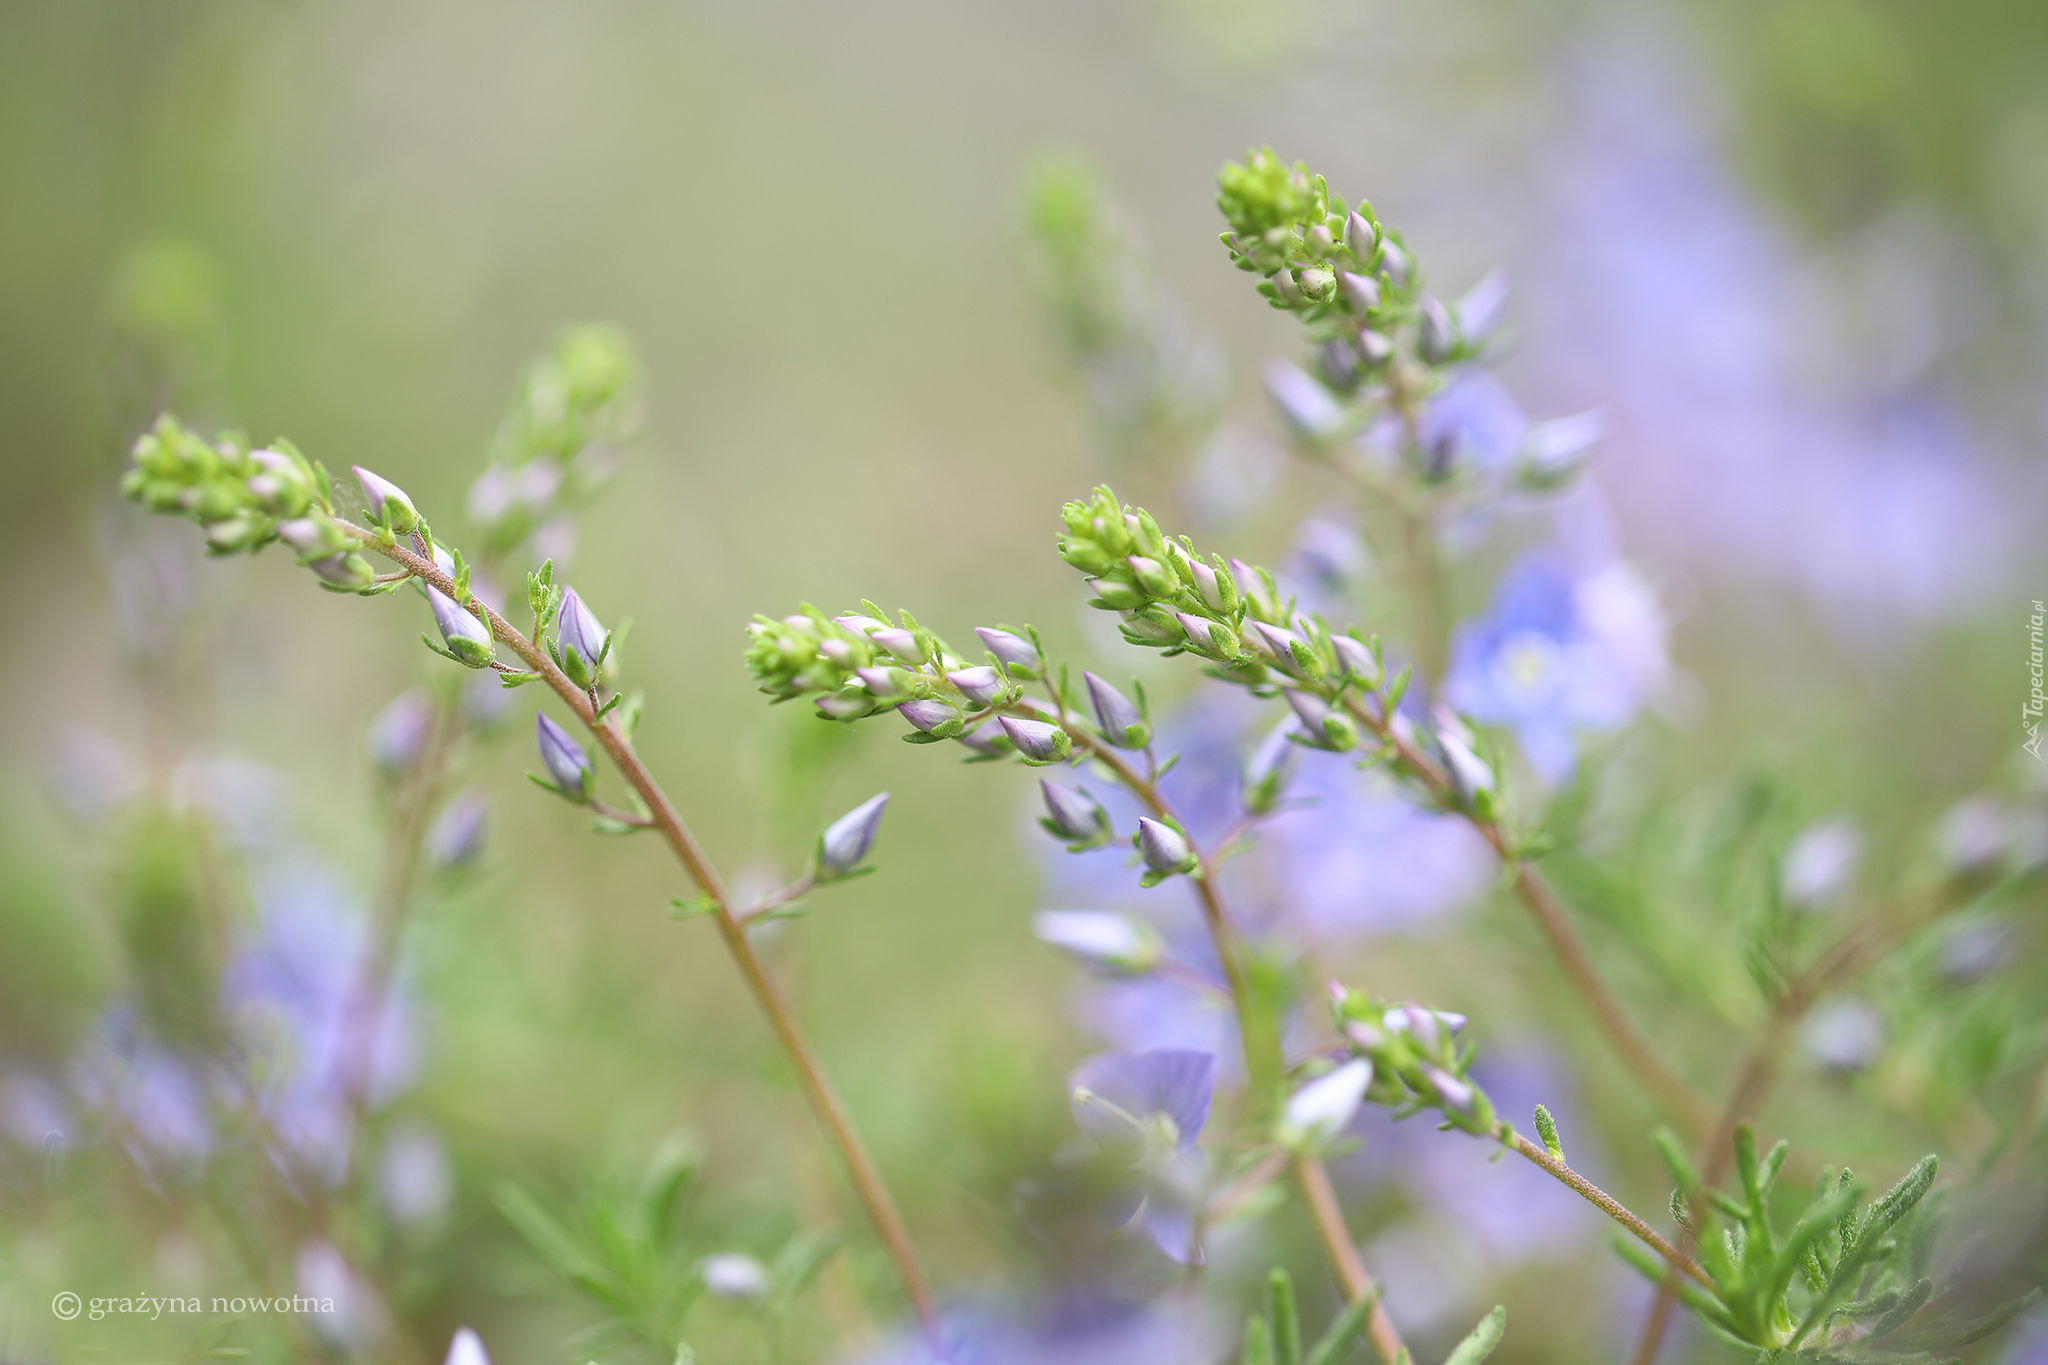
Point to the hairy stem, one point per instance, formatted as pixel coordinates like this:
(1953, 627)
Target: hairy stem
(1314, 1182)
(767, 990)
(1650, 1069)
(1607, 1204)
(1263, 1058)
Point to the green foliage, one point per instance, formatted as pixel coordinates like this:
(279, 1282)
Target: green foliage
(1845, 1282)
(562, 441)
(630, 1250)
(1153, 382)
(1274, 1337)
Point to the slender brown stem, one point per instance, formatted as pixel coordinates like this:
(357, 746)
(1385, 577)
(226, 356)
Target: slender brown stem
(1670, 1091)
(1426, 596)
(1753, 1078)
(1321, 1199)
(411, 804)
(1609, 1205)
(767, 991)
(1263, 1057)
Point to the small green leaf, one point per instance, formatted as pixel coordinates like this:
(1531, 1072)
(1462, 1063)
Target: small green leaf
(1285, 1317)
(1546, 1128)
(1330, 1348)
(1479, 1343)
(1258, 1343)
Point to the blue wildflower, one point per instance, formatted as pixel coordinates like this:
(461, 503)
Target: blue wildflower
(1556, 654)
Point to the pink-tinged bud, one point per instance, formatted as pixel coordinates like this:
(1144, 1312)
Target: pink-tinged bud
(1164, 849)
(467, 638)
(388, 502)
(1037, 741)
(457, 835)
(1116, 716)
(1111, 943)
(1356, 660)
(927, 714)
(904, 644)
(398, 735)
(564, 759)
(1012, 651)
(1359, 236)
(846, 840)
(1075, 816)
(980, 685)
(581, 643)
(1362, 294)
(1320, 1110)
(344, 570)
(844, 706)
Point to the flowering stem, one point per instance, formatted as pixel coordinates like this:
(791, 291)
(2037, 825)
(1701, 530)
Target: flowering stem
(1426, 594)
(1648, 1065)
(1607, 1204)
(411, 805)
(1752, 1082)
(767, 991)
(1264, 1061)
(1314, 1182)
(1261, 1044)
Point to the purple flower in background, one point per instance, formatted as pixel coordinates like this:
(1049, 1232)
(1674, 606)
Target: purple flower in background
(1162, 1096)
(1078, 1329)
(1153, 1106)
(1556, 654)
(33, 1111)
(1356, 857)
(155, 1098)
(1766, 420)
(1471, 425)
(294, 995)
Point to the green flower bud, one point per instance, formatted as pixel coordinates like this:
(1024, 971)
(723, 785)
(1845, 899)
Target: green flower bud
(388, 503)
(1112, 595)
(1155, 578)
(345, 570)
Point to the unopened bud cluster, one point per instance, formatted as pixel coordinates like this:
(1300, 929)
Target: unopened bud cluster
(1379, 340)
(1416, 1061)
(860, 664)
(1338, 268)
(562, 441)
(1226, 611)
(245, 499)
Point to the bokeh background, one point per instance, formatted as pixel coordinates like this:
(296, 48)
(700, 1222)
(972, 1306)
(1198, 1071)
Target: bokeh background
(1794, 250)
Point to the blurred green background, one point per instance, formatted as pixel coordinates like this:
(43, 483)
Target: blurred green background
(807, 217)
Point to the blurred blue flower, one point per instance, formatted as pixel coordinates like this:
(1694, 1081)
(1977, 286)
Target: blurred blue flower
(1079, 1329)
(1145, 1098)
(1556, 654)
(1471, 425)
(1152, 1107)
(295, 995)
(1767, 416)
(155, 1098)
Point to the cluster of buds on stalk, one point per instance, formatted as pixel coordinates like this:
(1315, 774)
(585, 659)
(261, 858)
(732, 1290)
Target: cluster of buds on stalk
(245, 499)
(1380, 340)
(1414, 1060)
(561, 442)
(1337, 268)
(1231, 614)
(859, 664)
